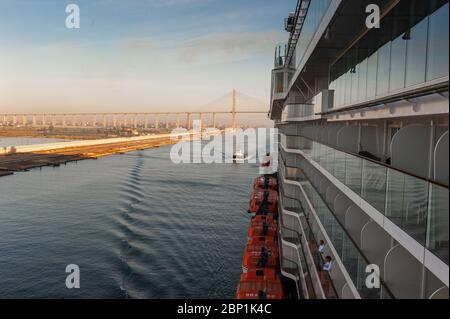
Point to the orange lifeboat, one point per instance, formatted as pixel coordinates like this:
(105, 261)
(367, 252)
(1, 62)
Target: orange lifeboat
(265, 182)
(263, 219)
(257, 251)
(261, 283)
(263, 240)
(263, 229)
(264, 258)
(253, 247)
(263, 202)
(261, 246)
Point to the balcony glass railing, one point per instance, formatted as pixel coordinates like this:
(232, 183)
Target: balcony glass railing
(299, 111)
(355, 263)
(294, 237)
(292, 268)
(418, 206)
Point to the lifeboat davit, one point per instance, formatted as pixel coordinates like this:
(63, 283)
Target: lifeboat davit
(265, 182)
(263, 202)
(261, 283)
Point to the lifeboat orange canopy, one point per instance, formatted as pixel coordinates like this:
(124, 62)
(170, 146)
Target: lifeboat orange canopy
(263, 218)
(263, 202)
(265, 258)
(263, 230)
(261, 283)
(265, 182)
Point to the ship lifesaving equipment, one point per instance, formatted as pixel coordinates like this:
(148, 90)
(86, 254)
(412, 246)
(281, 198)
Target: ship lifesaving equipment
(263, 218)
(265, 182)
(263, 202)
(262, 283)
(262, 259)
(263, 229)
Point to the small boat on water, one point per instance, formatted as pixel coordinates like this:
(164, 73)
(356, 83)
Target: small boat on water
(239, 157)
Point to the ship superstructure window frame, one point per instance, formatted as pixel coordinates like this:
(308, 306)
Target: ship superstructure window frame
(398, 64)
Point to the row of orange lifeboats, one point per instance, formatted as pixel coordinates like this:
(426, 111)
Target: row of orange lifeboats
(261, 262)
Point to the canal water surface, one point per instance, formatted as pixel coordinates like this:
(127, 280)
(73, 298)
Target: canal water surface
(137, 225)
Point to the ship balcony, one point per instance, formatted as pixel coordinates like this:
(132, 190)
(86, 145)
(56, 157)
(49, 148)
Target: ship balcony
(296, 248)
(306, 211)
(396, 221)
(299, 243)
(298, 112)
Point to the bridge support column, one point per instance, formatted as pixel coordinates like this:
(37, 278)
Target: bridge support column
(114, 120)
(157, 121)
(214, 120)
(178, 120)
(167, 121)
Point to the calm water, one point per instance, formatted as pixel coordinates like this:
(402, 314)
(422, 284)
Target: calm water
(137, 225)
(15, 141)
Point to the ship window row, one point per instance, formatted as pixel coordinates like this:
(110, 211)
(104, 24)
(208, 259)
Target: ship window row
(417, 56)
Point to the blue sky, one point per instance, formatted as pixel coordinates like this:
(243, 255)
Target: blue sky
(135, 55)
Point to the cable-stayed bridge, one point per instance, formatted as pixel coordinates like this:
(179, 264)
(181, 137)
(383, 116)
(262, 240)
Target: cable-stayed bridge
(232, 104)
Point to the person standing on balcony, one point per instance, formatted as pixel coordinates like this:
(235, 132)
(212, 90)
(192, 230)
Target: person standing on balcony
(319, 254)
(328, 266)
